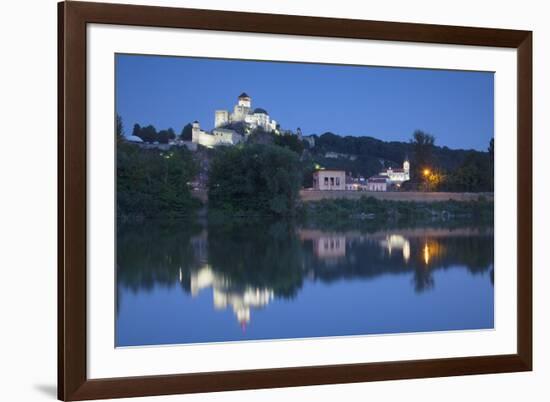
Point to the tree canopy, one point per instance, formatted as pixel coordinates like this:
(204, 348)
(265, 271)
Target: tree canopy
(151, 183)
(151, 135)
(254, 179)
(187, 132)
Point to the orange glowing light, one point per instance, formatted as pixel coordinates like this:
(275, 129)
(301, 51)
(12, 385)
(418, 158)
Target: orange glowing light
(426, 254)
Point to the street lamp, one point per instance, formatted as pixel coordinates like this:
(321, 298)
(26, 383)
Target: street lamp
(426, 172)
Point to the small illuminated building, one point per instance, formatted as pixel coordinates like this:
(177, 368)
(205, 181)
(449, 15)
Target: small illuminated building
(329, 180)
(390, 177)
(377, 183)
(397, 176)
(355, 183)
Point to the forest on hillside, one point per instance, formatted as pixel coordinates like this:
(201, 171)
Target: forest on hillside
(451, 169)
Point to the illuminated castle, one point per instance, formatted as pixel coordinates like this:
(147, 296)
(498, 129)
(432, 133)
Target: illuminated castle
(224, 121)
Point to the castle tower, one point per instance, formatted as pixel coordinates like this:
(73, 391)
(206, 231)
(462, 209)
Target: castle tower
(242, 108)
(195, 132)
(244, 100)
(406, 168)
(221, 118)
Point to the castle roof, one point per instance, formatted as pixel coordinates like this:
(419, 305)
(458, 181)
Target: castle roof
(260, 110)
(243, 95)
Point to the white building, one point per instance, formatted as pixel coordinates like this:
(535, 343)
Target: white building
(397, 176)
(329, 180)
(377, 183)
(389, 177)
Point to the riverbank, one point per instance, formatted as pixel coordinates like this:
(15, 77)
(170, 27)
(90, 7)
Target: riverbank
(413, 196)
(307, 195)
(364, 209)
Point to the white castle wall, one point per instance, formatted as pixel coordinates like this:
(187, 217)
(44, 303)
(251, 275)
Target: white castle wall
(221, 118)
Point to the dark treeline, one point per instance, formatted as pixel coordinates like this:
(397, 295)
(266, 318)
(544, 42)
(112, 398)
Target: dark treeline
(153, 183)
(151, 135)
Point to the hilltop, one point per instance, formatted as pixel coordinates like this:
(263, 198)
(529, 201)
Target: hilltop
(366, 156)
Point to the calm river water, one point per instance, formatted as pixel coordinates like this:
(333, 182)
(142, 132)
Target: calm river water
(183, 282)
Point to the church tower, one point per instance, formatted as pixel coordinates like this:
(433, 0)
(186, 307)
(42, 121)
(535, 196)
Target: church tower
(406, 168)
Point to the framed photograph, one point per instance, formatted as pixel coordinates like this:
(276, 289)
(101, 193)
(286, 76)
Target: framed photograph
(254, 200)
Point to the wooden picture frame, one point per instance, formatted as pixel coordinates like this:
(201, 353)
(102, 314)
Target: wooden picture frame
(73, 17)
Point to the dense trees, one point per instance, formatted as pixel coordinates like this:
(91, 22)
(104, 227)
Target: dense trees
(372, 155)
(151, 183)
(475, 174)
(260, 136)
(119, 127)
(151, 135)
(291, 142)
(254, 179)
(187, 133)
(423, 144)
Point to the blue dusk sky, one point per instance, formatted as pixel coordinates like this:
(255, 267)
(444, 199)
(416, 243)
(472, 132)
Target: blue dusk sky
(456, 107)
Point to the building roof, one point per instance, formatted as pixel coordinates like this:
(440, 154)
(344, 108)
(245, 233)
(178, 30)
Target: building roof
(133, 138)
(260, 110)
(243, 95)
(377, 179)
(330, 170)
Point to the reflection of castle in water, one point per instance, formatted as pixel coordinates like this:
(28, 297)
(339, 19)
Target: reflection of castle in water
(395, 242)
(241, 301)
(248, 267)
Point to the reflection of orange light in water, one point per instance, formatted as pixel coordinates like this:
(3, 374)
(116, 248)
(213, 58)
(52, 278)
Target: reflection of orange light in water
(426, 254)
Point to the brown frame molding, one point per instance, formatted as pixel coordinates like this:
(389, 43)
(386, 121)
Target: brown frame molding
(73, 383)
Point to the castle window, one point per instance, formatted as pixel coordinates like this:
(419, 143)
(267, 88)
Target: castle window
(332, 181)
(337, 181)
(326, 181)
